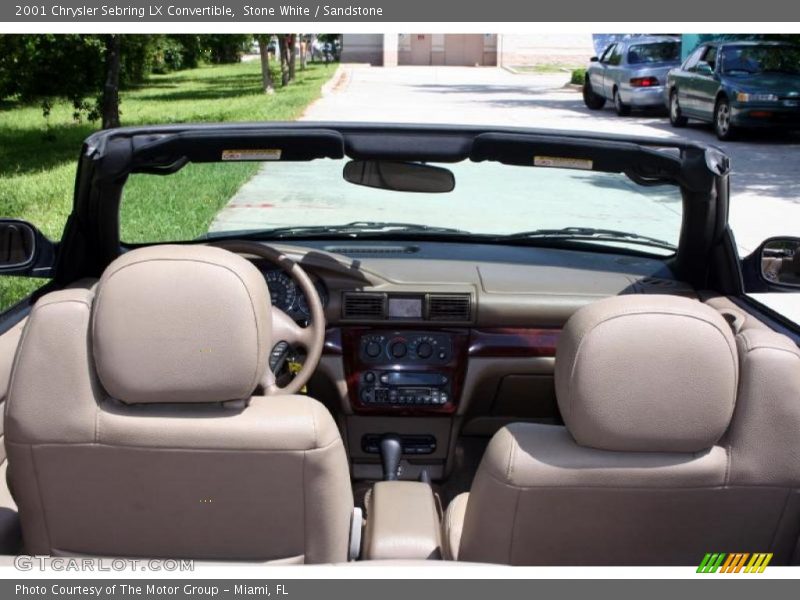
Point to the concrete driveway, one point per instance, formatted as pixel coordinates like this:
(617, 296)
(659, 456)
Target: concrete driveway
(766, 168)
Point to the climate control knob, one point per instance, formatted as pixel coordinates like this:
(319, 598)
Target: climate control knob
(424, 350)
(398, 349)
(373, 349)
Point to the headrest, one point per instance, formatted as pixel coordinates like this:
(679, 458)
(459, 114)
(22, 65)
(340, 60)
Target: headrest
(646, 373)
(181, 324)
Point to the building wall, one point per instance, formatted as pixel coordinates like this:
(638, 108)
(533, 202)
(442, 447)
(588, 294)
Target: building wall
(503, 50)
(482, 49)
(362, 48)
(518, 50)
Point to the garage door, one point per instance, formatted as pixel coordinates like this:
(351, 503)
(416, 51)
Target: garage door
(463, 50)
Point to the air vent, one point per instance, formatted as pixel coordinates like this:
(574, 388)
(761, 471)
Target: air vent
(371, 250)
(364, 306)
(657, 282)
(449, 307)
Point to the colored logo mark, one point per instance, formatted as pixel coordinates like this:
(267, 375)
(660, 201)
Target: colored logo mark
(737, 562)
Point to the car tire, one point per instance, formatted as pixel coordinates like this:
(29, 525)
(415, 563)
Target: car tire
(592, 100)
(676, 117)
(623, 110)
(723, 127)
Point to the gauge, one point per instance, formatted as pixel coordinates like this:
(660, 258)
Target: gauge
(302, 302)
(282, 290)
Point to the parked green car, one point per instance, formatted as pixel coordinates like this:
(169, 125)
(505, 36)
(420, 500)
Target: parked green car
(736, 85)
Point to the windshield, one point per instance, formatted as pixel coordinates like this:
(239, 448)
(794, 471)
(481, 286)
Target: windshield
(653, 53)
(761, 59)
(488, 199)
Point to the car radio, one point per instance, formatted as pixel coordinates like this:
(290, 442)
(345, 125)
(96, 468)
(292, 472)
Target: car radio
(404, 371)
(404, 388)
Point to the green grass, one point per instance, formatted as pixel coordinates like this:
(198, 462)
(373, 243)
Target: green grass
(545, 68)
(185, 201)
(38, 157)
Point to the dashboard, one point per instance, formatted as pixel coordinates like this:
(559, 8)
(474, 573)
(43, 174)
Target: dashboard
(434, 341)
(287, 295)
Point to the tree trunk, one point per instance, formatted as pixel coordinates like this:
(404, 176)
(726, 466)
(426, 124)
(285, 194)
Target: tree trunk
(266, 76)
(292, 55)
(283, 41)
(304, 46)
(110, 101)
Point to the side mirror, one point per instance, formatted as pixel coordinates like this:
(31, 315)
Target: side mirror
(704, 68)
(779, 259)
(24, 250)
(594, 59)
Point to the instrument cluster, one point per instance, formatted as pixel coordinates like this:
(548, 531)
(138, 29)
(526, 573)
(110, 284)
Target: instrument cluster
(287, 295)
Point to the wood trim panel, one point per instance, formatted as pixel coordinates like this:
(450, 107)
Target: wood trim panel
(513, 342)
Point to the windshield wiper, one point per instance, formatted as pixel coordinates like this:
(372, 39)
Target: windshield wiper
(590, 234)
(352, 230)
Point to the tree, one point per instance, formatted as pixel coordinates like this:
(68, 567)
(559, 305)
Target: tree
(110, 97)
(263, 50)
(287, 42)
(292, 56)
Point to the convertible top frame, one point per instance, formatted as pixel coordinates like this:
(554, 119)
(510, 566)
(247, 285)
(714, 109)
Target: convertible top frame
(91, 237)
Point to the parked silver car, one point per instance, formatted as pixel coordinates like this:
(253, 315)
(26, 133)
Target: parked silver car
(631, 73)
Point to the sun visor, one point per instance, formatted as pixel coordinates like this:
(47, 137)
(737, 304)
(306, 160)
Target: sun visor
(169, 152)
(576, 153)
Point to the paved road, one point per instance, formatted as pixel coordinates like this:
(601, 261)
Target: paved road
(765, 181)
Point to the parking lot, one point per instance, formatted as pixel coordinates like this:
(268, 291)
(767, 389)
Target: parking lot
(765, 183)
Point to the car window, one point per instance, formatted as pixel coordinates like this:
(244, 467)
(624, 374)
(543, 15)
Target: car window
(694, 58)
(615, 57)
(195, 201)
(710, 57)
(607, 53)
(748, 60)
(655, 52)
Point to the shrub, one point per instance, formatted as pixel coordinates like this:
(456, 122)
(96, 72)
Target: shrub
(578, 75)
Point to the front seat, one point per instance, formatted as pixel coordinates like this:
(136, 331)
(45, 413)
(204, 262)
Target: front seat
(132, 430)
(679, 439)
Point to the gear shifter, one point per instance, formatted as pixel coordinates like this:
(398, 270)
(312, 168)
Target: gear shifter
(391, 450)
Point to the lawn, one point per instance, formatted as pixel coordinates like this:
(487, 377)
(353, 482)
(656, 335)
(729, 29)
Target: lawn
(545, 68)
(38, 157)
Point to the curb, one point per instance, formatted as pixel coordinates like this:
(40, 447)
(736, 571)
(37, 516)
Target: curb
(339, 78)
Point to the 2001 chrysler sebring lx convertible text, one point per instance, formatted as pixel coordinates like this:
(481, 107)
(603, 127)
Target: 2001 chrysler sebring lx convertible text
(551, 360)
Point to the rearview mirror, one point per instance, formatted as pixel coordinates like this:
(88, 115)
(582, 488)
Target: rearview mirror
(22, 247)
(399, 176)
(780, 261)
(594, 59)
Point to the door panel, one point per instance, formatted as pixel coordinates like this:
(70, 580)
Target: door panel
(463, 50)
(9, 522)
(421, 49)
(597, 71)
(686, 82)
(706, 86)
(8, 348)
(612, 69)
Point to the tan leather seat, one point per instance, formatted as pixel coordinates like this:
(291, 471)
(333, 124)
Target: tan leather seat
(662, 459)
(131, 430)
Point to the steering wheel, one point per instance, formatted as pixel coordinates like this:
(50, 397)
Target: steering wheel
(284, 329)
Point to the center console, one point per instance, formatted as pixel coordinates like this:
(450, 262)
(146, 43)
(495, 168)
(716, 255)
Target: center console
(404, 372)
(403, 522)
(404, 382)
